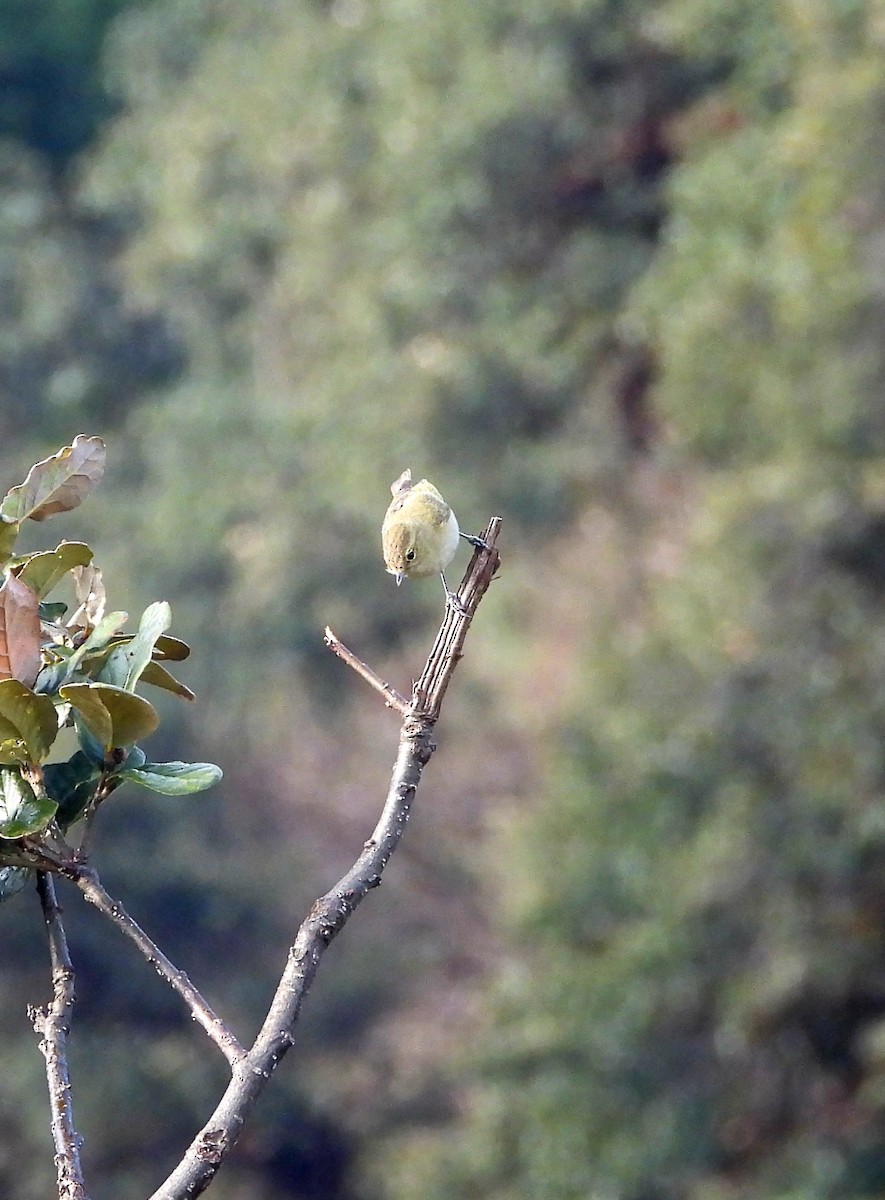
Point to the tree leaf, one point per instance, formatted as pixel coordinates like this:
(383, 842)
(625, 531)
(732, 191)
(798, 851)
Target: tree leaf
(171, 648)
(59, 483)
(12, 880)
(55, 674)
(28, 723)
(97, 640)
(22, 811)
(19, 631)
(174, 778)
(135, 758)
(157, 674)
(52, 610)
(41, 572)
(112, 715)
(127, 661)
(93, 749)
(8, 534)
(91, 597)
(71, 785)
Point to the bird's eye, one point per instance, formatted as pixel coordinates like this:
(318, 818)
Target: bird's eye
(410, 556)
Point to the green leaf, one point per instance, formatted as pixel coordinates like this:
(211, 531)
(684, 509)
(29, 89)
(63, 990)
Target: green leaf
(71, 785)
(12, 880)
(112, 715)
(127, 661)
(52, 610)
(91, 710)
(174, 778)
(41, 572)
(157, 674)
(57, 484)
(171, 648)
(91, 747)
(97, 640)
(28, 723)
(135, 758)
(22, 811)
(8, 533)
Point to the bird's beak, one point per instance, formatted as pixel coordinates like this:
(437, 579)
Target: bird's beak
(399, 577)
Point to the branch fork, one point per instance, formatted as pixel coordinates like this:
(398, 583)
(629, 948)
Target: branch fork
(251, 1068)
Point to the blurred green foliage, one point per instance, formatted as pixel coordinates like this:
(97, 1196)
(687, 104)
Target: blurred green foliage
(693, 1007)
(614, 269)
(54, 98)
(419, 257)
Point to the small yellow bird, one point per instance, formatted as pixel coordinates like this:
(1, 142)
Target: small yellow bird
(420, 534)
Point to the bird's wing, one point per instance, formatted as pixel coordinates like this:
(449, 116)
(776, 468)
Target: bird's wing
(434, 503)
(403, 485)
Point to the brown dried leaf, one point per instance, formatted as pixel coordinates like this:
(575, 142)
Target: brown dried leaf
(90, 592)
(19, 631)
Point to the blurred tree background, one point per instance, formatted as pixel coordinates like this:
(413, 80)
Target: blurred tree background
(614, 269)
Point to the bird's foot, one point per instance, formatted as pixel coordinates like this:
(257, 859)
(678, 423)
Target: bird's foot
(454, 601)
(478, 542)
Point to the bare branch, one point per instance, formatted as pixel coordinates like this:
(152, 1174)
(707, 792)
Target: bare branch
(90, 885)
(326, 918)
(54, 1025)
(392, 698)
(428, 693)
(330, 912)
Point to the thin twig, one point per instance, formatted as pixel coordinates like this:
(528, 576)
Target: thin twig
(428, 693)
(54, 1025)
(90, 885)
(392, 698)
(330, 913)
